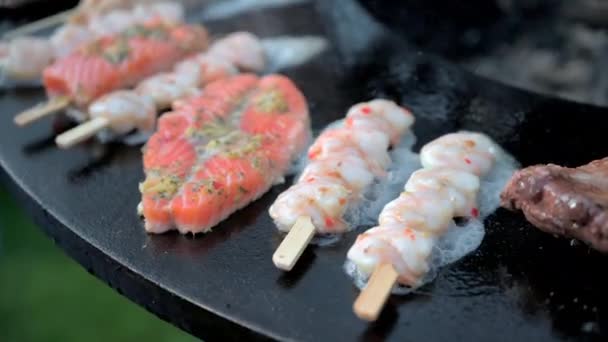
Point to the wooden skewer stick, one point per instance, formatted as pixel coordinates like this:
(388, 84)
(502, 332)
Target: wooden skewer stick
(81, 132)
(292, 247)
(371, 300)
(41, 110)
(39, 24)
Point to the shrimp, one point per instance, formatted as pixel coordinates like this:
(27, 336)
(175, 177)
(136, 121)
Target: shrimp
(421, 210)
(395, 119)
(168, 11)
(242, 49)
(372, 145)
(322, 200)
(467, 151)
(115, 21)
(411, 225)
(205, 69)
(459, 186)
(125, 110)
(69, 37)
(25, 58)
(347, 169)
(344, 161)
(164, 88)
(408, 250)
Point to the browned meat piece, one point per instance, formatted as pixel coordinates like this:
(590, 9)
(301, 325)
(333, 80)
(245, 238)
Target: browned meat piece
(572, 202)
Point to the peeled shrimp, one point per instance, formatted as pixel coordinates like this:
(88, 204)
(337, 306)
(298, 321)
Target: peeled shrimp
(169, 11)
(460, 187)
(205, 69)
(394, 121)
(467, 151)
(344, 161)
(324, 201)
(25, 58)
(68, 37)
(349, 170)
(115, 21)
(406, 249)
(243, 50)
(422, 210)
(371, 144)
(411, 225)
(125, 110)
(164, 88)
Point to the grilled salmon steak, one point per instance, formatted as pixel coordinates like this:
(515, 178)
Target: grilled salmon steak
(221, 150)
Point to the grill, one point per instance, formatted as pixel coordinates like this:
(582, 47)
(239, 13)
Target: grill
(520, 283)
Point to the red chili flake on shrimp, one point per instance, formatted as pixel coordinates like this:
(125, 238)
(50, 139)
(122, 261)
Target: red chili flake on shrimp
(313, 154)
(310, 179)
(366, 110)
(349, 121)
(475, 212)
(329, 222)
(409, 233)
(467, 160)
(342, 201)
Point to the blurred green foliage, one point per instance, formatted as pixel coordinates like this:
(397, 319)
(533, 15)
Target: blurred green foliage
(45, 296)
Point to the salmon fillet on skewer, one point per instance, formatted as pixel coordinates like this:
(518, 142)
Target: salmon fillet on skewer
(27, 56)
(211, 157)
(119, 61)
(114, 62)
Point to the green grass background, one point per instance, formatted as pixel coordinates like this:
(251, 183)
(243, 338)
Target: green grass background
(45, 296)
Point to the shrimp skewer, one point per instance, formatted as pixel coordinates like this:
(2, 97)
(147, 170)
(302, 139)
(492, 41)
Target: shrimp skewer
(189, 77)
(23, 59)
(88, 11)
(344, 161)
(410, 226)
(119, 61)
(221, 150)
